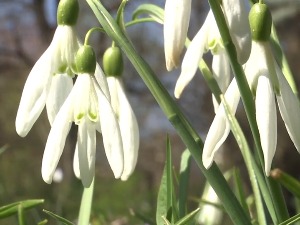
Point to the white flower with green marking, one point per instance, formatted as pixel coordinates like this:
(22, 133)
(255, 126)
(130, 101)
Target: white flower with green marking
(50, 80)
(88, 106)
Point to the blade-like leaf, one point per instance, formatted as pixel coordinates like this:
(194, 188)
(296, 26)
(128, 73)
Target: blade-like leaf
(164, 200)
(12, 208)
(291, 220)
(153, 11)
(239, 191)
(58, 218)
(188, 218)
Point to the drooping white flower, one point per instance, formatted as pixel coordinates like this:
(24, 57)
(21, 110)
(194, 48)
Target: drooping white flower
(89, 108)
(176, 22)
(207, 38)
(265, 79)
(50, 80)
(113, 68)
(127, 122)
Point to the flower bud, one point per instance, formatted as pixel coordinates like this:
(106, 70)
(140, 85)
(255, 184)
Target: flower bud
(67, 12)
(260, 19)
(113, 62)
(85, 60)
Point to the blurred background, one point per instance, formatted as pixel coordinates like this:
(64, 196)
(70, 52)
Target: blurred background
(26, 29)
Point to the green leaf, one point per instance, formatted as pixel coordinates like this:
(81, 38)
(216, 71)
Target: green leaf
(239, 191)
(120, 15)
(152, 10)
(185, 165)
(58, 218)
(188, 218)
(43, 222)
(291, 220)
(289, 182)
(11, 209)
(164, 200)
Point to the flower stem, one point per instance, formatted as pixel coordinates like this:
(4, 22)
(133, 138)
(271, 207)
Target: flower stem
(173, 113)
(246, 95)
(86, 205)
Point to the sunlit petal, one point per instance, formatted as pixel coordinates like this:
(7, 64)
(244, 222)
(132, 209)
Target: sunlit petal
(56, 139)
(111, 135)
(176, 22)
(220, 126)
(266, 120)
(34, 94)
(61, 86)
(289, 109)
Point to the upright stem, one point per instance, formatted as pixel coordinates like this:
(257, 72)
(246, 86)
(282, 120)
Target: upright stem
(173, 113)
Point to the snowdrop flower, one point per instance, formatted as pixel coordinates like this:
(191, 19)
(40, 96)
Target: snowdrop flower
(113, 67)
(268, 84)
(208, 38)
(50, 80)
(176, 22)
(89, 108)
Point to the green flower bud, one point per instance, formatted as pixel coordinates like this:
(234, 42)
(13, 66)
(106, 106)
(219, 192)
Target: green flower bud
(85, 60)
(113, 62)
(260, 19)
(67, 12)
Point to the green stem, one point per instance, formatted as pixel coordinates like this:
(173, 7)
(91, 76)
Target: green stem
(89, 33)
(246, 95)
(86, 205)
(173, 113)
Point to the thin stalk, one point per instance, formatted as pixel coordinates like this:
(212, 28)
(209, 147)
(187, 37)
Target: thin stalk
(86, 205)
(246, 95)
(173, 113)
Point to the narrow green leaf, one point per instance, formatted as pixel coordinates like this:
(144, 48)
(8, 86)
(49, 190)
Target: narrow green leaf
(239, 191)
(289, 182)
(185, 165)
(164, 200)
(153, 11)
(58, 218)
(120, 15)
(291, 220)
(12, 208)
(188, 218)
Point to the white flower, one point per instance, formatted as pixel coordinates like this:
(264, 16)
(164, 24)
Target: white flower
(176, 22)
(90, 109)
(50, 80)
(267, 82)
(207, 38)
(127, 122)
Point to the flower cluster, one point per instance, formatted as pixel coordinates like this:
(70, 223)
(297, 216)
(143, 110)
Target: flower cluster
(90, 103)
(264, 76)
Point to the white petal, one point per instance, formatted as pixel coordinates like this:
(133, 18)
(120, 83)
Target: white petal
(220, 126)
(221, 72)
(129, 132)
(176, 22)
(61, 86)
(101, 80)
(111, 135)
(238, 23)
(289, 109)
(86, 142)
(76, 162)
(34, 94)
(266, 120)
(56, 139)
(192, 58)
